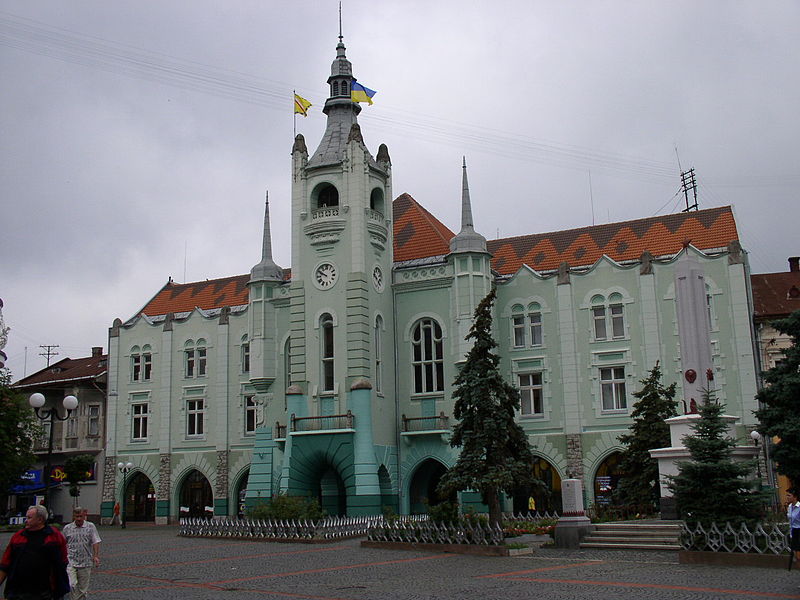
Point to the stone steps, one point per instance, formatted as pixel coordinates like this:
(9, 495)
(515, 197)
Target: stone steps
(634, 536)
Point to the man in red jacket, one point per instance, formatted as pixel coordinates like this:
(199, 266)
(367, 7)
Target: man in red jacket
(34, 564)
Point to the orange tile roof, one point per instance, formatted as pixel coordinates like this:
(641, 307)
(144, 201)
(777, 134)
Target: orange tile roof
(706, 229)
(775, 294)
(212, 293)
(417, 233)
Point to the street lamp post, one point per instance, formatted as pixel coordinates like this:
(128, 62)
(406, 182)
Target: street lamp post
(124, 468)
(37, 401)
(756, 437)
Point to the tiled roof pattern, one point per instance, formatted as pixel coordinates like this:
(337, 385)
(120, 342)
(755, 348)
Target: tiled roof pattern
(417, 233)
(213, 293)
(706, 229)
(773, 295)
(68, 369)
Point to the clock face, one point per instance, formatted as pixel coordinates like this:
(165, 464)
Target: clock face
(325, 276)
(377, 278)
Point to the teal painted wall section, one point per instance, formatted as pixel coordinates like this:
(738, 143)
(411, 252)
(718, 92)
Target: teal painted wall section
(259, 483)
(220, 507)
(162, 508)
(107, 509)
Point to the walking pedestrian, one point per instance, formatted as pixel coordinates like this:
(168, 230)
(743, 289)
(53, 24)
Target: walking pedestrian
(83, 550)
(34, 564)
(115, 517)
(793, 514)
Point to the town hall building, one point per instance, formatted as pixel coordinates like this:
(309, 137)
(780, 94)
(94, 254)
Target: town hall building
(334, 378)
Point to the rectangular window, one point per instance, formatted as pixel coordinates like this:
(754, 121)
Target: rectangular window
(72, 425)
(201, 362)
(599, 315)
(147, 367)
(530, 394)
(612, 388)
(617, 321)
(536, 328)
(246, 357)
(136, 367)
(139, 414)
(250, 414)
(378, 356)
(190, 363)
(195, 412)
(94, 420)
(519, 331)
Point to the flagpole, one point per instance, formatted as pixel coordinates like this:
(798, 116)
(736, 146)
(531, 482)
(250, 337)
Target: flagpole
(294, 114)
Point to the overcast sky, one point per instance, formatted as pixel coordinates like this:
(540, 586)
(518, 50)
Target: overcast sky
(137, 139)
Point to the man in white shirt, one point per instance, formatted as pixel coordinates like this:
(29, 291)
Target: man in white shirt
(83, 549)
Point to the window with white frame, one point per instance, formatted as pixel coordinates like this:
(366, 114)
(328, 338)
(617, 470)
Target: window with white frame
(530, 394)
(195, 414)
(612, 388)
(427, 357)
(195, 359)
(250, 414)
(245, 355)
(287, 368)
(608, 317)
(93, 421)
(139, 420)
(326, 352)
(526, 325)
(141, 363)
(72, 425)
(378, 352)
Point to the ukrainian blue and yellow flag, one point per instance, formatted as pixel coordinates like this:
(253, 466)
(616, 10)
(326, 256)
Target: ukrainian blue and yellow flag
(301, 105)
(360, 93)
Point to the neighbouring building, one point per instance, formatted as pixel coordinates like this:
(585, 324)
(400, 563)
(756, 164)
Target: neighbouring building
(82, 433)
(334, 378)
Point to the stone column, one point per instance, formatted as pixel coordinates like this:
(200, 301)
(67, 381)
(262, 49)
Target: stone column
(221, 486)
(163, 491)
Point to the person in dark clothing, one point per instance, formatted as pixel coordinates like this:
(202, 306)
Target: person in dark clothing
(34, 564)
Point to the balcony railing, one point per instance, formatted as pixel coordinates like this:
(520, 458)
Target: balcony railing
(374, 215)
(324, 423)
(280, 431)
(325, 212)
(440, 422)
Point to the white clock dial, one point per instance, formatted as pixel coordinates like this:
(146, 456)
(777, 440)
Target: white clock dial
(325, 276)
(377, 278)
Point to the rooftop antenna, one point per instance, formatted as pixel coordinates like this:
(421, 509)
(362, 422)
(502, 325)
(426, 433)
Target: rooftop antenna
(49, 351)
(688, 182)
(591, 195)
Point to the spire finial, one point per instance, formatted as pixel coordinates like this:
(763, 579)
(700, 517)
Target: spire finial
(340, 23)
(466, 205)
(467, 240)
(266, 246)
(266, 269)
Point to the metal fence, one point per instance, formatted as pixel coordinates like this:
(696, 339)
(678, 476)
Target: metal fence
(428, 532)
(277, 529)
(763, 539)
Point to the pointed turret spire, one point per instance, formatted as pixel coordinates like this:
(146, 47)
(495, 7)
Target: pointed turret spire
(266, 270)
(467, 240)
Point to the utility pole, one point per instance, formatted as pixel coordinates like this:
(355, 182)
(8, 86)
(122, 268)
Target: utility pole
(49, 351)
(688, 182)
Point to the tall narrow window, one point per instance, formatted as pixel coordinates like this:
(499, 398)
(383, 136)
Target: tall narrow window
(612, 388)
(147, 366)
(378, 354)
(136, 367)
(599, 316)
(518, 326)
(535, 324)
(245, 355)
(427, 357)
(326, 341)
(72, 425)
(249, 414)
(195, 363)
(201, 361)
(287, 365)
(195, 411)
(139, 414)
(530, 394)
(335, 88)
(94, 420)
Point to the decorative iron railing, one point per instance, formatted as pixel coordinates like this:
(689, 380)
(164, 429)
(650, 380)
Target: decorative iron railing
(428, 532)
(763, 539)
(278, 529)
(323, 423)
(325, 212)
(440, 422)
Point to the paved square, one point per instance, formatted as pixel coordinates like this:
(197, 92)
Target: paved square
(153, 562)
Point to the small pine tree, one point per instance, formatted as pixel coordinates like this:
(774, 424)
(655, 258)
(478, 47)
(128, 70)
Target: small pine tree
(495, 453)
(649, 431)
(713, 486)
(780, 413)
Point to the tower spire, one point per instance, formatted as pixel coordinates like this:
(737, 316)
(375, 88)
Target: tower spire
(266, 270)
(467, 240)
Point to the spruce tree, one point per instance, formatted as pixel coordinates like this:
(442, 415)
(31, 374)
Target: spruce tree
(713, 486)
(654, 404)
(779, 415)
(495, 453)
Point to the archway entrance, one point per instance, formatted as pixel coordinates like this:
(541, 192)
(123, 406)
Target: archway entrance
(331, 493)
(140, 499)
(422, 490)
(606, 479)
(241, 490)
(197, 500)
(547, 500)
(388, 499)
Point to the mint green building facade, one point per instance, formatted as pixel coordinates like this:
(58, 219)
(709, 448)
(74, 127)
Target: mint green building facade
(334, 380)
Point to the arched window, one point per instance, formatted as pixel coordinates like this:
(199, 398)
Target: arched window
(335, 88)
(287, 368)
(194, 358)
(427, 357)
(526, 325)
(326, 352)
(141, 363)
(608, 317)
(245, 354)
(378, 350)
(327, 195)
(376, 200)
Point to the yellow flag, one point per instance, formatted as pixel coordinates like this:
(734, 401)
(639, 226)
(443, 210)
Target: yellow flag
(301, 105)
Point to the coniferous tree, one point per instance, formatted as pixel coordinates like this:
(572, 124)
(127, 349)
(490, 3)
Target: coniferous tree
(649, 431)
(713, 486)
(18, 429)
(780, 413)
(495, 453)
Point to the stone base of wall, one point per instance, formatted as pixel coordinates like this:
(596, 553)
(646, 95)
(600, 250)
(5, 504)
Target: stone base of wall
(474, 550)
(733, 559)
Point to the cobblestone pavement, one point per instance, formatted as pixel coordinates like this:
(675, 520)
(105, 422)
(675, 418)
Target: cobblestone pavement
(148, 562)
